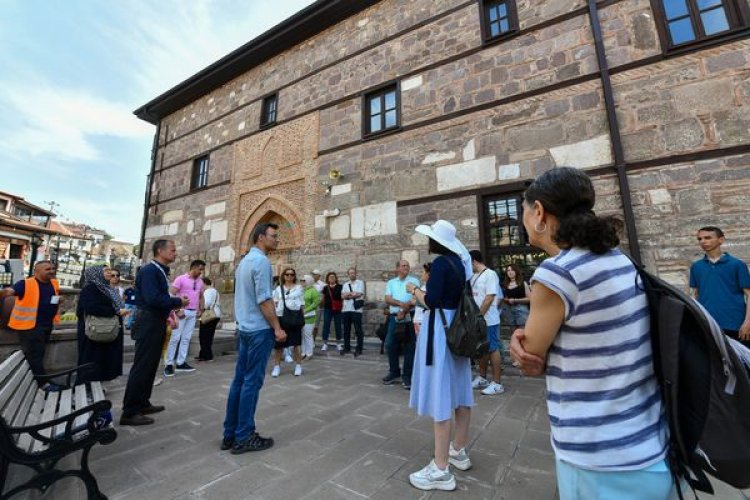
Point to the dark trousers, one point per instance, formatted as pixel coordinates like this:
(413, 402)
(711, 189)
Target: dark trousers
(407, 342)
(206, 337)
(33, 344)
(149, 332)
(349, 318)
(328, 317)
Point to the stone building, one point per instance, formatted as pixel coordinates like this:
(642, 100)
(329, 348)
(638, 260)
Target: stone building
(354, 121)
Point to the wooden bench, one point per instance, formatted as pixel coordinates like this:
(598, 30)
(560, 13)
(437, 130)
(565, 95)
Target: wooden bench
(39, 428)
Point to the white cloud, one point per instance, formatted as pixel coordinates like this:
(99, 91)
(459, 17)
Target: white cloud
(61, 122)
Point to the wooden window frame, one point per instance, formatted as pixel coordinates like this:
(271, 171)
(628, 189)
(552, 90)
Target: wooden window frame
(380, 91)
(268, 101)
(198, 178)
(485, 22)
(737, 13)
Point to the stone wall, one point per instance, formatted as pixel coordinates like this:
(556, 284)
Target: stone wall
(474, 118)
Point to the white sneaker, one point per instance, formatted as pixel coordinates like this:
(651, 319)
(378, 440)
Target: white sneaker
(479, 382)
(339, 347)
(324, 347)
(276, 371)
(432, 478)
(298, 370)
(493, 388)
(459, 458)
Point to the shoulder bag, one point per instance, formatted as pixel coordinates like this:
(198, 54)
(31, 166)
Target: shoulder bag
(358, 303)
(101, 329)
(291, 319)
(209, 314)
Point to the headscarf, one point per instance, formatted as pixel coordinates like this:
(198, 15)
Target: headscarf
(95, 275)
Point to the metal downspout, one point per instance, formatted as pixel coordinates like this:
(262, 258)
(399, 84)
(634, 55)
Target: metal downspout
(614, 133)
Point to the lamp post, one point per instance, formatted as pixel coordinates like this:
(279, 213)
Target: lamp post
(36, 241)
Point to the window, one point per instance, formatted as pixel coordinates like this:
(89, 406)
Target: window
(688, 21)
(200, 173)
(268, 110)
(382, 110)
(504, 237)
(498, 18)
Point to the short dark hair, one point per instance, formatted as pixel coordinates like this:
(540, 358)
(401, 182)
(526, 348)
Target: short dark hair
(436, 248)
(196, 263)
(159, 245)
(477, 256)
(427, 267)
(207, 281)
(713, 229)
(261, 229)
(568, 194)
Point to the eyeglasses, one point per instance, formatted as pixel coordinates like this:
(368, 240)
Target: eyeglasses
(290, 274)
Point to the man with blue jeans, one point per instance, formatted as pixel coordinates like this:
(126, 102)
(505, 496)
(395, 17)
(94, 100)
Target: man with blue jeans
(400, 305)
(258, 328)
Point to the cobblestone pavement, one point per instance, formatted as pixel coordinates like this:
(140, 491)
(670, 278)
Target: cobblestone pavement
(339, 433)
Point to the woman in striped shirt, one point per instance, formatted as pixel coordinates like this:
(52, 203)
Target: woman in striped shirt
(588, 331)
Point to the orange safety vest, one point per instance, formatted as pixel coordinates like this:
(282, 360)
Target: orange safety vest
(23, 315)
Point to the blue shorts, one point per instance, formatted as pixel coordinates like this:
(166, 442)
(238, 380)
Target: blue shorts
(493, 337)
(652, 483)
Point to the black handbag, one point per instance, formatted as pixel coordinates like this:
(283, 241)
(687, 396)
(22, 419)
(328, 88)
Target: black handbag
(358, 303)
(291, 319)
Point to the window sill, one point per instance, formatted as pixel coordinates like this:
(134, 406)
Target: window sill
(382, 133)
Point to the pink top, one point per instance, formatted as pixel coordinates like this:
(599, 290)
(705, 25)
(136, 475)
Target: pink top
(190, 288)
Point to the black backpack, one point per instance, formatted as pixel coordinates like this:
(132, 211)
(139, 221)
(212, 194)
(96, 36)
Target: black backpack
(705, 389)
(467, 333)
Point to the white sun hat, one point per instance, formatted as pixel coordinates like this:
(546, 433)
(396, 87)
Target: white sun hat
(444, 233)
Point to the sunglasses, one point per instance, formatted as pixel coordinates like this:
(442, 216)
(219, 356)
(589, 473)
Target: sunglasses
(290, 274)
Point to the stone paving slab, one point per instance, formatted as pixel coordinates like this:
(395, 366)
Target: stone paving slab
(339, 434)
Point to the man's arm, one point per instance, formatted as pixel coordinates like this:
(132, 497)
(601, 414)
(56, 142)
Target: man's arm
(488, 301)
(745, 328)
(7, 292)
(151, 295)
(268, 309)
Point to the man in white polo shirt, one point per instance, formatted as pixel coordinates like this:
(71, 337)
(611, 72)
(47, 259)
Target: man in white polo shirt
(485, 285)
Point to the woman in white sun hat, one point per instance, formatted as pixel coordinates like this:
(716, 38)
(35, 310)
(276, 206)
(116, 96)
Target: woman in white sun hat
(441, 382)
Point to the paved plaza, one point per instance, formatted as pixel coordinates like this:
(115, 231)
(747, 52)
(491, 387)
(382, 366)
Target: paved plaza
(340, 434)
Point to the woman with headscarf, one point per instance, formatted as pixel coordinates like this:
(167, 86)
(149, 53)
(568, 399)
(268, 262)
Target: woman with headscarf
(441, 382)
(98, 298)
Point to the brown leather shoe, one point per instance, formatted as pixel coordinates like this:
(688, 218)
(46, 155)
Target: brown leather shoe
(148, 410)
(137, 419)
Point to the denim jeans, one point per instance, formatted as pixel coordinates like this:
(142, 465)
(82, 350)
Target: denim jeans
(350, 318)
(254, 351)
(392, 347)
(329, 315)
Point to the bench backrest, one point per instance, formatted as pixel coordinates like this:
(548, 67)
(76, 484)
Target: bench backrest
(17, 389)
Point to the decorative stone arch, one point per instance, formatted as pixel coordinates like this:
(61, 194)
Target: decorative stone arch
(278, 211)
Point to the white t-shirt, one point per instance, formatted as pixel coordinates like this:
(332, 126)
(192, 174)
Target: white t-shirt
(484, 284)
(294, 298)
(320, 285)
(211, 296)
(357, 286)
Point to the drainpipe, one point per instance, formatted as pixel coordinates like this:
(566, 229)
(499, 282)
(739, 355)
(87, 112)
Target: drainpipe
(149, 181)
(614, 133)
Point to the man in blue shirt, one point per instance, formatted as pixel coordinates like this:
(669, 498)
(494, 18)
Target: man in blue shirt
(153, 304)
(258, 327)
(721, 283)
(400, 306)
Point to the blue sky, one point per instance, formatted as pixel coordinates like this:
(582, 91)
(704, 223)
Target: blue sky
(73, 71)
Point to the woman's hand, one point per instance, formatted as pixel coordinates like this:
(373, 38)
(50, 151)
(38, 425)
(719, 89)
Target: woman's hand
(530, 364)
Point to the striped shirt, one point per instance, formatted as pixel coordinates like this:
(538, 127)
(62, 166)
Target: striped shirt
(603, 397)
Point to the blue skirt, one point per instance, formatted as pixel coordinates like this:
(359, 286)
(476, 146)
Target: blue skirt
(439, 389)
